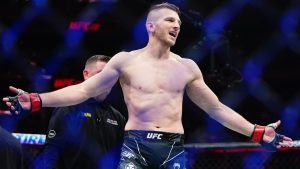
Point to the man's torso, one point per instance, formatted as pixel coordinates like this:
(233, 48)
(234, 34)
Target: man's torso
(153, 90)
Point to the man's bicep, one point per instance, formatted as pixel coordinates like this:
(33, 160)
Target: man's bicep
(197, 90)
(104, 81)
(101, 82)
(202, 95)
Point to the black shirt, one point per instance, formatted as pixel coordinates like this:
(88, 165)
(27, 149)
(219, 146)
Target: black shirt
(88, 135)
(10, 151)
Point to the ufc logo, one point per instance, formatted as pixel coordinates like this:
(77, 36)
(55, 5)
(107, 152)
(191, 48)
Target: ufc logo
(154, 136)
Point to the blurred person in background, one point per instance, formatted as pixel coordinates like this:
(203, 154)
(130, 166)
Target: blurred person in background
(86, 135)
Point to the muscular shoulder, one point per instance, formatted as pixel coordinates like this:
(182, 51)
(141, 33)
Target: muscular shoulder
(120, 59)
(188, 63)
(181, 59)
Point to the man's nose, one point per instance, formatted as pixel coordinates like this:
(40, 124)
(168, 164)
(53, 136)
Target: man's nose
(177, 26)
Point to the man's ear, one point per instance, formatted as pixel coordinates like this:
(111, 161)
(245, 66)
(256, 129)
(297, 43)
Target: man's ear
(85, 74)
(150, 26)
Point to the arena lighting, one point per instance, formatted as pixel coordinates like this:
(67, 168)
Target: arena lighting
(60, 83)
(85, 26)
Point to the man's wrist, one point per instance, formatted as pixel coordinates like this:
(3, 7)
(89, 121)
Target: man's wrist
(36, 102)
(258, 133)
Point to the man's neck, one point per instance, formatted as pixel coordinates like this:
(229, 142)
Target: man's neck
(158, 50)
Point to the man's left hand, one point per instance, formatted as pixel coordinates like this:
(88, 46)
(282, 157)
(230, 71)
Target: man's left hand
(272, 140)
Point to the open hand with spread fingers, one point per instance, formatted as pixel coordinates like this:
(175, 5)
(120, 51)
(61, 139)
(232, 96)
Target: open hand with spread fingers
(23, 101)
(268, 138)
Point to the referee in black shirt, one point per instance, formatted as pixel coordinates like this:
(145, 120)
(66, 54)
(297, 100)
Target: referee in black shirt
(85, 136)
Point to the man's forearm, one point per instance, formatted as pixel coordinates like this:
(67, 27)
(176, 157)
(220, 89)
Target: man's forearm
(67, 96)
(232, 120)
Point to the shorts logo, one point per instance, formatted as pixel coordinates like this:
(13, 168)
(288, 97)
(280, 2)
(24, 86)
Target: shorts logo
(128, 154)
(154, 136)
(176, 166)
(130, 166)
(51, 133)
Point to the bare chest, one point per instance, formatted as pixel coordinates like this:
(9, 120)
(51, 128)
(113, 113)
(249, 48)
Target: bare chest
(155, 77)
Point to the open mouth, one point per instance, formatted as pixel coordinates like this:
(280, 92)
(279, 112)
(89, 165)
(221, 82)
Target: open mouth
(173, 34)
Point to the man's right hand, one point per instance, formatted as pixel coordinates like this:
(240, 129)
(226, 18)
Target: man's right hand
(23, 101)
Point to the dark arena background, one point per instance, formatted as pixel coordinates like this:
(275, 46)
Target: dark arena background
(247, 50)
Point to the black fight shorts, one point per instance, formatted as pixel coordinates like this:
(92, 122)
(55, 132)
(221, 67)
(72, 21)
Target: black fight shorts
(152, 150)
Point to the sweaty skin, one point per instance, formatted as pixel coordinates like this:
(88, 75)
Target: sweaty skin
(153, 90)
(153, 80)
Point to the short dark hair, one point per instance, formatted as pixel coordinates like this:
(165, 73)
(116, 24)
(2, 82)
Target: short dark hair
(165, 5)
(95, 58)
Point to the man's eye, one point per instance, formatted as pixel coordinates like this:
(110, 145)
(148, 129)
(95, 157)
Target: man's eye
(170, 20)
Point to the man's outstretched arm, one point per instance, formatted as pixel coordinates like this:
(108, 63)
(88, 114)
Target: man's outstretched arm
(96, 85)
(201, 95)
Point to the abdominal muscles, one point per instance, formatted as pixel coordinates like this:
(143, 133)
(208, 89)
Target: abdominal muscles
(156, 111)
